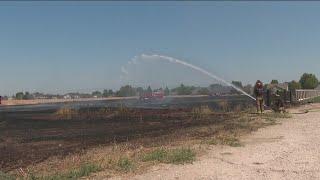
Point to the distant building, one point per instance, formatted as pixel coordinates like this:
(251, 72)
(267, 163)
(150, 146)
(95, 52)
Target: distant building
(318, 87)
(67, 96)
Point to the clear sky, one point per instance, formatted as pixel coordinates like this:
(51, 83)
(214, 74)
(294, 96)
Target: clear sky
(80, 46)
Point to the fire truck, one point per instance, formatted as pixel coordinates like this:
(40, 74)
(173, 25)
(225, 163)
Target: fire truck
(150, 96)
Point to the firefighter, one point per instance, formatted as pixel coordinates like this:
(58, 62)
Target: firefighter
(278, 105)
(259, 92)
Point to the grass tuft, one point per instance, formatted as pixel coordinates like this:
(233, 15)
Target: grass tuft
(225, 140)
(5, 176)
(174, 156)
(125, 164)
(84, 170)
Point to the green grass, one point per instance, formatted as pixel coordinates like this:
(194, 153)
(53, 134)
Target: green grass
(125, 164)
(315, 100)
(84, 170)
(173, 156)
(5, 176)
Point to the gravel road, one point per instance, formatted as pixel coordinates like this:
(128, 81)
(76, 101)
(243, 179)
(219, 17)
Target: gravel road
(290, 150)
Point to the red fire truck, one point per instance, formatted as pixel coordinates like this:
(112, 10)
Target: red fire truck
(148, 96)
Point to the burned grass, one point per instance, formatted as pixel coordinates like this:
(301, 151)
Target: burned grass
(119, 140)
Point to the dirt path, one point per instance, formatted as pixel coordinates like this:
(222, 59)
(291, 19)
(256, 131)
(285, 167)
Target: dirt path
(290, 150)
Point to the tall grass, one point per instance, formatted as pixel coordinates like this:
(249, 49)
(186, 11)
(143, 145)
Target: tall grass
(201, 112)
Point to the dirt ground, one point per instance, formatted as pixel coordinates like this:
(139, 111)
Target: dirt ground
(286, 151)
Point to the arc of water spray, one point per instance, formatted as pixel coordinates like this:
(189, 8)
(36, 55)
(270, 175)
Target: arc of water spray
(177, 61)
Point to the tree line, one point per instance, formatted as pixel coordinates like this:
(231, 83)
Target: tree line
(306, 81)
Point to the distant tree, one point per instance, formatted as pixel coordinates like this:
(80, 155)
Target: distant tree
(204, 91)
(110, 92)
(166, 91)
(248, 88)
(183, 90)
(237, 83)
(105, 93)
(294, 85)
(149, 90)
(309, 81)
(27, 96)
(140, 90)
(96, 93)
(19, 95)
(126, 91)
(274, 81)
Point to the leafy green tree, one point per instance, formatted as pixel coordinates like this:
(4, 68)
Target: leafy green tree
(204, 91)
(140, 90)
(237, 83)
(149, 90)
(166, 91)
(309, 81)
(19, 95)
(248, 88)
(274, 81)
(27, 96)
(107, 93)
(97, 94)
(294, 85)
(126, 91)
(110, 92)
(183, 90)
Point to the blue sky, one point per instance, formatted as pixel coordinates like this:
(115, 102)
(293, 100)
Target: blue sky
(81, 46)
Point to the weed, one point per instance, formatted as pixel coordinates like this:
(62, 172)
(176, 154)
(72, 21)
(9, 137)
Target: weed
(66, 113)
(159, 155)
(225, 140)
(200, 112)
(125, 164)
(181, 156)
(84, 170)
(5, 176)
(123, 113)
(174, 156)
(223, 104)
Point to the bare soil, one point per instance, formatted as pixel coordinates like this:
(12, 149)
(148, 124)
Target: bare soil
(289, 150)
